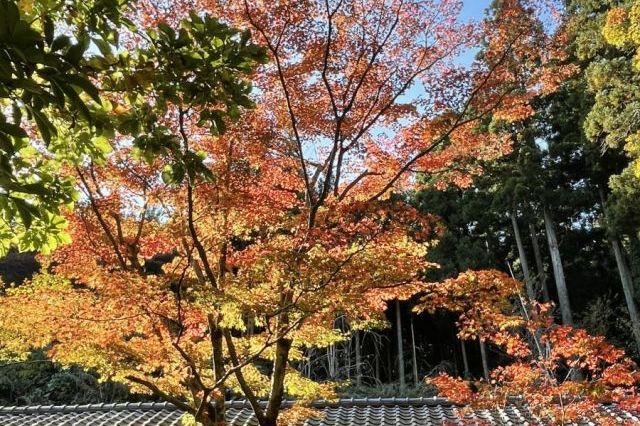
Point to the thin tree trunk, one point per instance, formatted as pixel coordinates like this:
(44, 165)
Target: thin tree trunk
(358, 359)
(347, 350)
(465, 361)
(542, 276)
(217, 335)
(376, 345)
(399, 343)
(210, 418)
(307, 363)
(347, 354)
(389, 363)
(634, 255)
(413, 354)
(248, 392)
(528, 283)
(558, 270)
(332, 356)
(485, 361)
(454, 353)
(332, 361)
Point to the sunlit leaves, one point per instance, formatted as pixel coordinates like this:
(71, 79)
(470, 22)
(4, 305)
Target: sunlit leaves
(44, 87)
(204, 233)
(607, 36)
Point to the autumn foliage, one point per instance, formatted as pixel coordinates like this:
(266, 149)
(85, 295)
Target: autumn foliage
(277, 209)
(562, 374)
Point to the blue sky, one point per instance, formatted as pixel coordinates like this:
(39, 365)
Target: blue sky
(474, 8)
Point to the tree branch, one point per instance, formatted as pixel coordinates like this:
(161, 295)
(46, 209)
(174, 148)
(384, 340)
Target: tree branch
(190, 222)
(246, 389)
(287, 95)
(103, 223)
(457, 124)
(159, 393)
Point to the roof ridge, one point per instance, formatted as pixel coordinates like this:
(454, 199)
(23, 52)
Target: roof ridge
(354, 402)
(234, 403)
(28, 409)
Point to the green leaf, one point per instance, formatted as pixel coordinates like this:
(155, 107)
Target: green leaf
(77, 102)
(167, 175)
(102, 144)
(44, 125)
(35, 188)
(12, 15)
(48, 30)
(75, 52)
(24, 35)
(220, 125)
(84, 84)
(30, 85)
(26, 211)
(183, 39)
(246, 35)
(12, 130)
(16, 112)
(8, 148)
(166, 29)
(60, 42)
(103, 46)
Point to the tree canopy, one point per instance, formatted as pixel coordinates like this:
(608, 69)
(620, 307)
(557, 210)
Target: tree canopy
(229, 178)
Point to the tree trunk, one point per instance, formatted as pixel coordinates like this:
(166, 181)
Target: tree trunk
(279, 370)
(485, 361)
(542, 276)
(634, 255)
(276, 392)
(627, 287)
(465, 361)
(399, 343)
(376, 361)
(528, 283)
(210, 417)
(332, 361)
(358, 359)
(625, 278)
(217, 412)
(390, 364)
(346, 349)
(307, 364)
(414, 362)
(558, 270)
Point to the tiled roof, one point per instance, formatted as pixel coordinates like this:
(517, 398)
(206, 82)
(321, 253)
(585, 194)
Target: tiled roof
(344, 412)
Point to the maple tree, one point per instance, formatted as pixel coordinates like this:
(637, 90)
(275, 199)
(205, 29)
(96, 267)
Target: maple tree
(277, 209)
(544, 356)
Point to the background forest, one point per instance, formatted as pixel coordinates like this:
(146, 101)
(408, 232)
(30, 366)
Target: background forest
(560, 213)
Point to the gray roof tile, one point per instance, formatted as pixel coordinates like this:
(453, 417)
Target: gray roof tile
(345, 412)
